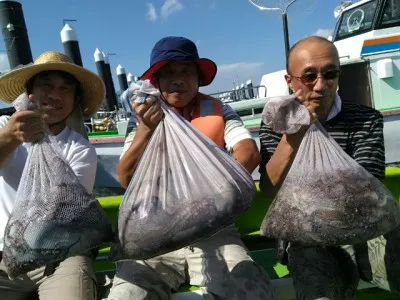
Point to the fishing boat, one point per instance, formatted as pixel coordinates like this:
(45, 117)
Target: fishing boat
(367, 36)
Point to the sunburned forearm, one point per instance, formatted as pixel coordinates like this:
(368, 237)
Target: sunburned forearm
(130, 160)
(279, 165)
(277, 168)
(8, 143)
(247, 154)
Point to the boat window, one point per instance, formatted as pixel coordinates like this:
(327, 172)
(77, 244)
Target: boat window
(391, 14)
(357, 20)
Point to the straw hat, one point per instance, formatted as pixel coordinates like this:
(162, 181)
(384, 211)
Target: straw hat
(13, 83)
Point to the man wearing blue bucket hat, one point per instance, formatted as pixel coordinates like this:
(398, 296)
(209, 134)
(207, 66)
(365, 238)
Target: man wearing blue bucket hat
(220, 265)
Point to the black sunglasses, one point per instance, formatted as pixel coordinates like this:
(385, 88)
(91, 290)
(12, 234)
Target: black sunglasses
(311, 77)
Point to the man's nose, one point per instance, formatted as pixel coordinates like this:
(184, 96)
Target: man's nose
(54, 93)
(320, 84)
(178, 81)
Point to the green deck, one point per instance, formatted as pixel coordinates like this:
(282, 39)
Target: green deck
(261, 249)
(252, 122)
(102, 134)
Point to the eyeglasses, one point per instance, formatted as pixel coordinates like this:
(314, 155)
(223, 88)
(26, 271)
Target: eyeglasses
(311, 77)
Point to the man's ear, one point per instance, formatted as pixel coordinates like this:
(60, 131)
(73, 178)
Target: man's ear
(288, 80)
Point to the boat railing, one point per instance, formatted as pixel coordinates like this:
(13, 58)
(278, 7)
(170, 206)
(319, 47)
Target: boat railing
(250, 108)
(242, 93)
(107, 120)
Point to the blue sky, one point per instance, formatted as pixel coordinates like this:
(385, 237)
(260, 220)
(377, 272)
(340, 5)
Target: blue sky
(243, 41)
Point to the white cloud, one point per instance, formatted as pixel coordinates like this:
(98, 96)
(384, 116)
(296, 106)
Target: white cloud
(169, 7)
(4, 65)
(324, 32)
(229, 75)
(151, 12)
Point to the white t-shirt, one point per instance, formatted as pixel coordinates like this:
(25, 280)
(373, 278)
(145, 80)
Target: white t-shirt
(235, 131)
(77, 152)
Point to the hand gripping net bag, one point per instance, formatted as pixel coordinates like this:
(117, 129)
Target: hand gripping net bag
(327, 198)
(54, 216)
(185, 188)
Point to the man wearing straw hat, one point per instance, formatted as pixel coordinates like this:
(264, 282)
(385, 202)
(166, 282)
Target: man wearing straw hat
(220, 265)
(60, 89)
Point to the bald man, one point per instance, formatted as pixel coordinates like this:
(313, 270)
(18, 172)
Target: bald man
(313, 71)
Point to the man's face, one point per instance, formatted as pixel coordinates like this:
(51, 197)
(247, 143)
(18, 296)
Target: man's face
(178, 82)
(314, 69)
(55, 94)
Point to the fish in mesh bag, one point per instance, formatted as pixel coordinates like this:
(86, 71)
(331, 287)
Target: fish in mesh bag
(185, 188)
(327, 198)
(54, 216)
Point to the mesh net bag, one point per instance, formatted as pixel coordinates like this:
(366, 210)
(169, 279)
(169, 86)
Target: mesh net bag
(54, 216)
(327, 198)
(185, 188)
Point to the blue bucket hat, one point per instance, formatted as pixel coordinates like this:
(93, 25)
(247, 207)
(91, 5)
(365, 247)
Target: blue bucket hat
(173, 48)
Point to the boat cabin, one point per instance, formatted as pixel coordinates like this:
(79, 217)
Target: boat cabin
(367, 36)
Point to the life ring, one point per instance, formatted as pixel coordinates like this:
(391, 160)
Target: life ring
(355, 24)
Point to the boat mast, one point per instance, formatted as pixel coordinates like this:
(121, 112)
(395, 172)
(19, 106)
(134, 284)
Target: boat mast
(283, 11)
(15, 34)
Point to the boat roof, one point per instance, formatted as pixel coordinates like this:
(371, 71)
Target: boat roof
(356, 4)
(247, 104)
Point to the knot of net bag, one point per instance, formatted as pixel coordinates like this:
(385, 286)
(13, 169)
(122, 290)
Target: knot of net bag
(285, 115)
(138, 92)
(22, 103)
